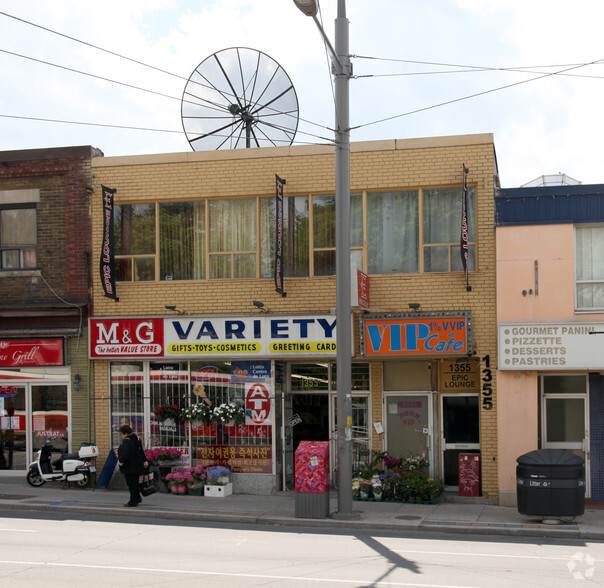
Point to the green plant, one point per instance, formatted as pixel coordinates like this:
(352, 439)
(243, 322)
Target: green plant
(366, 471)
(418, 485)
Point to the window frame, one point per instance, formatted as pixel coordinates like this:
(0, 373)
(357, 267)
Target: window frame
(264, 255)
(20, 248)
(578, 281)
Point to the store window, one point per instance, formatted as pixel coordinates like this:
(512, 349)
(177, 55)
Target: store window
(141, 392)
(182, 240)
(410, 231)
(589, 267)
(393, 232)
(18, 238)
(134, 231)
(232, 226)
(441, 230)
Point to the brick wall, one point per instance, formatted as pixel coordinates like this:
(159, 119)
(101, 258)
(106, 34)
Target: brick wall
(375, 166)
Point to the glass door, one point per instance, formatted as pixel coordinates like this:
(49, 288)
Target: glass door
(565, 417)
(50, 418)
(409, 425)
(13, 443)
(460, 432)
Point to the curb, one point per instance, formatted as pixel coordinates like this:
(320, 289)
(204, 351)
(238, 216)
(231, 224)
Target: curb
(570, 531)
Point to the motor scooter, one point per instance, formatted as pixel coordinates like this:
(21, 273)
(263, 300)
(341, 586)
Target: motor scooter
(70, 467)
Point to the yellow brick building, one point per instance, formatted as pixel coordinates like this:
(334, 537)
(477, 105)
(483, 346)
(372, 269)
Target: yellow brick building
(196, 232)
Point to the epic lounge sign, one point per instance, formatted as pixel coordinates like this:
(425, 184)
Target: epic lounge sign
(188, 337)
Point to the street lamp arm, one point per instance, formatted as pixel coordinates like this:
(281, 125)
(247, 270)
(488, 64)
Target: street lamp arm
(309, 8)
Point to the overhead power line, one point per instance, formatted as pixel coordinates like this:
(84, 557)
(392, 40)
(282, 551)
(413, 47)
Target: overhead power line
(131, 128)
(532, 69)
(462, 98)
(120, 56)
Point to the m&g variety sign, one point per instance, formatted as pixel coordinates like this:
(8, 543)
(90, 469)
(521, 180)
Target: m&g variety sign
(429, 333)
(186, 337)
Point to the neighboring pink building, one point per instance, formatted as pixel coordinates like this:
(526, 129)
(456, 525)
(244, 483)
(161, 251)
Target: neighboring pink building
(550, 297)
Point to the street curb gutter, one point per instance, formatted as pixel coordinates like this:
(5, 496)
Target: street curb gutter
(510, 530)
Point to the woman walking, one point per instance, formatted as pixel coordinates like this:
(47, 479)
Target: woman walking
(131, 459)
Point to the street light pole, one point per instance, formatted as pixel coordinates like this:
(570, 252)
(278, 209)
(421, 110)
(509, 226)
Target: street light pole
(342, 70)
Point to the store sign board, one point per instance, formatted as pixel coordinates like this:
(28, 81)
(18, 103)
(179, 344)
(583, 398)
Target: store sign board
(274, 336)
(416, 334)
(250, 459)
(130, 337)
(31, 352)
(214, 337)
(549, 346)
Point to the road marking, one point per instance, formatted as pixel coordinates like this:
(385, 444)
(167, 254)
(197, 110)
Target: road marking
(465, 554)
(19, 530)
(355, 582)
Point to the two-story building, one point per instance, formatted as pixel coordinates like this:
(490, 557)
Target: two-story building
(550, 310)
(45, 381)
(187, 311)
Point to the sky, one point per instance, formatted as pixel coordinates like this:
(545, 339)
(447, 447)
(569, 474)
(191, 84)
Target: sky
(432, 68)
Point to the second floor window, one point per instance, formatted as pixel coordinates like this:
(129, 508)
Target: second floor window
(413, 231)
(18, 237)
(589, 267)
(135, 242)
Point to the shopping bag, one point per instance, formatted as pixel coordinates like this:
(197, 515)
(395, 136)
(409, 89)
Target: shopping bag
(148, 484)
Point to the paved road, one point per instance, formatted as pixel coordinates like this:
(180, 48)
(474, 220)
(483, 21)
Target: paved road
(63, 549)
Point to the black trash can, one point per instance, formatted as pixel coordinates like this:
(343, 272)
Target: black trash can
(550, 483)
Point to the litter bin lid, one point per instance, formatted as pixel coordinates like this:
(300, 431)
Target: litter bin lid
(550, 457)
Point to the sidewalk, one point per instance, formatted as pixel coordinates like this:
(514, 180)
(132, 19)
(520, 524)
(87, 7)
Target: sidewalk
(279, 509)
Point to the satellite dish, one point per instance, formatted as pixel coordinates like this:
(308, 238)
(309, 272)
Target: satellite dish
(239, 97)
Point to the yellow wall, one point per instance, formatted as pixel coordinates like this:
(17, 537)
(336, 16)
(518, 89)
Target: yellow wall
(375, 166)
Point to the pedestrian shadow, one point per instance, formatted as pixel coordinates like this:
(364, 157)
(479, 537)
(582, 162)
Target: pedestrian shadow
(397, 560)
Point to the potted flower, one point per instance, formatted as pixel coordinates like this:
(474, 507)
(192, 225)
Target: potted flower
(166, 457)
(376, 487)
(196, 480)
(198, 412)
(177, 481)
(165, 412)
(217, 475)
(163, 454)
(228, 413)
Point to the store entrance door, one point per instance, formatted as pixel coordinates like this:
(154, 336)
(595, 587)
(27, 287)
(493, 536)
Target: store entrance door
(460, 432)
(31, 415)
(409, 425)
(306, 418)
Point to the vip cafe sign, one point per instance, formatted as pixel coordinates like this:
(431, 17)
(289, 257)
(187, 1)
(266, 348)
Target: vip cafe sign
(428, 334)
(275, 336)
(126, 337)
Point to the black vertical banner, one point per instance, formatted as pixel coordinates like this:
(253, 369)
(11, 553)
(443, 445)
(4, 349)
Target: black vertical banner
(107, 264)
(464, 225)
(279, 183)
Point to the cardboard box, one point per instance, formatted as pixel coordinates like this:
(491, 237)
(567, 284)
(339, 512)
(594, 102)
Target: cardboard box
(218, 491)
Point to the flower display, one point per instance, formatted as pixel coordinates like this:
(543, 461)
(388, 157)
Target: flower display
(169, 411)
(402, 479)
(228, 412)
(163, 454)
(218, 475)
(197, 412)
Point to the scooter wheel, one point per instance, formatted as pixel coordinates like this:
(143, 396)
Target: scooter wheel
(35, 479)
(83, 483)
